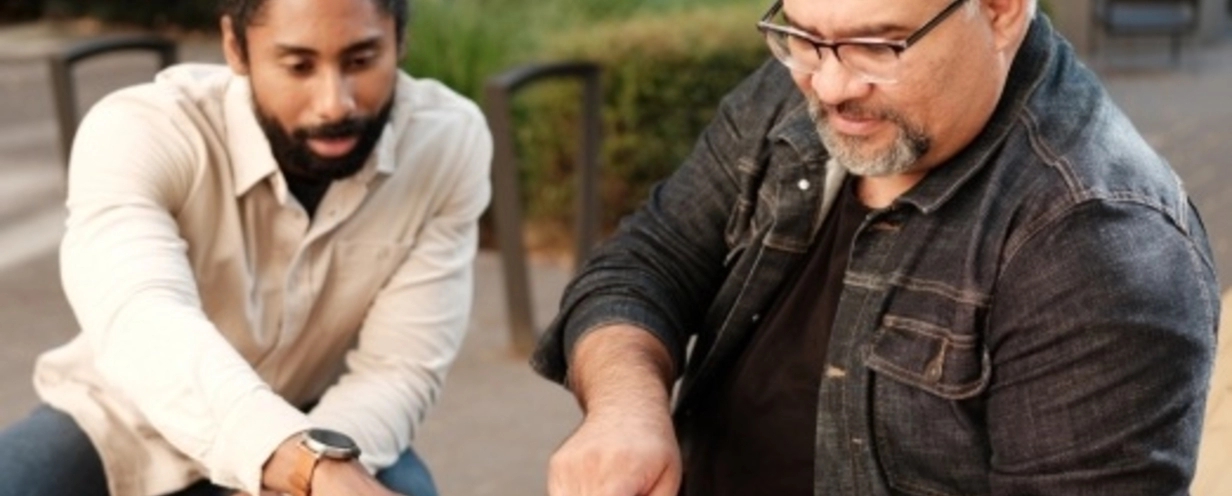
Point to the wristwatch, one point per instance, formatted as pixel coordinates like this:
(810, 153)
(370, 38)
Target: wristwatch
(315, 445)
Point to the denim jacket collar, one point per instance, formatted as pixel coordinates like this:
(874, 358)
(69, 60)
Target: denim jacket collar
(1026, 73)
(799, 131)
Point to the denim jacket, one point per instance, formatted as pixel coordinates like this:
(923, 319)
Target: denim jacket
(1036, 316)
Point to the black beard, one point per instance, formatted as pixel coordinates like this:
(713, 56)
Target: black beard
(296, 159)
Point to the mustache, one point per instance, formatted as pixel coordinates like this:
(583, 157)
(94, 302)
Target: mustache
(344, 128)
(854, 110)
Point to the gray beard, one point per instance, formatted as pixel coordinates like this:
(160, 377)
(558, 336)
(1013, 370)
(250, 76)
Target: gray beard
(901, 157)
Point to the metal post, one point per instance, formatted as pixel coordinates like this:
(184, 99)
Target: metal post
(587, 222)
(61, 65)
(507, 212)
(506, 204)
(65, 100)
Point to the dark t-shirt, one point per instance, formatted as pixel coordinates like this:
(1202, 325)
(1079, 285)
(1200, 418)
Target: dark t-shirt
(309, 192)
(755, 432)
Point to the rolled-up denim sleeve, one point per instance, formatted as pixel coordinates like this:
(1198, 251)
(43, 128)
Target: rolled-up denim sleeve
(1102, 341)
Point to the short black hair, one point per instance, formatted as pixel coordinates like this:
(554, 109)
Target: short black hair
(244, 12)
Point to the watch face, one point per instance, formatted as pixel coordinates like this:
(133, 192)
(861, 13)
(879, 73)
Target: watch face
(332, 444)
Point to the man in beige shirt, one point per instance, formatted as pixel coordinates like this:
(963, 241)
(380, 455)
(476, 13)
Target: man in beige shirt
(270, 264)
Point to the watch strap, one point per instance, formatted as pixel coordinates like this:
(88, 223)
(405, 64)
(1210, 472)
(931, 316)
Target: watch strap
(305, 465)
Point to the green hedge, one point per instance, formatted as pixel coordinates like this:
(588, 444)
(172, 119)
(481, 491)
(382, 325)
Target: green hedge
(664, 74)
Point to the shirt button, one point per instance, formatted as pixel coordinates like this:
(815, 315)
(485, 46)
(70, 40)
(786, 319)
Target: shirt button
(756, 318)
(803, 184)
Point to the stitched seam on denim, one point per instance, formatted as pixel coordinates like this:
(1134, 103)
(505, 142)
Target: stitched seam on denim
(1211, 307)
(1182, 204)
(974, 298)
(723, 328)
(1048, 156)
(1149, 201)
(1090, 198)
(929, 329)
(734, 234)
(743, 289)
(918, 490)
(876, 282)
(1211, 302)
(941, 390)
(746, 165)
(865, 281)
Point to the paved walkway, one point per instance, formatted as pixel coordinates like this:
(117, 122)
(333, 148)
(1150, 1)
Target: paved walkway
(497, 423)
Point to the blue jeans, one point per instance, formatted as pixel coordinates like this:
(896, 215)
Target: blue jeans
(47, 453)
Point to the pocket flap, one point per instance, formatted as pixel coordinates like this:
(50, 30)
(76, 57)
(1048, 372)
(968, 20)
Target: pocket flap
(930, 357)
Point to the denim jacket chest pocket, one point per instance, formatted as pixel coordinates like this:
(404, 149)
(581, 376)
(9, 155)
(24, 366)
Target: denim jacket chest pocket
(778, 203)
(929, 368)
(751, 215)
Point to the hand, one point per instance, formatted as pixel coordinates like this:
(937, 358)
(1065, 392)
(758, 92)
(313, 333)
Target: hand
(618, 454)
(626, 445)
(339, 478)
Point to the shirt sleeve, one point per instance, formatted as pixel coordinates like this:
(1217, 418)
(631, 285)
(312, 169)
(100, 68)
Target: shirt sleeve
(662, 268)
(127, 277)
(1101, 345)
(416, 323)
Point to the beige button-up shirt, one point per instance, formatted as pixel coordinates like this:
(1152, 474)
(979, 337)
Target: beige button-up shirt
(211, 306)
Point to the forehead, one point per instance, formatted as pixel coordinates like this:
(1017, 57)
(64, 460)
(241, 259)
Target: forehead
(320, 22)
(846, 18)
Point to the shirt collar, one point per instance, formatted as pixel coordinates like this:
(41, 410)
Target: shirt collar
(253, 161)
(249, 151)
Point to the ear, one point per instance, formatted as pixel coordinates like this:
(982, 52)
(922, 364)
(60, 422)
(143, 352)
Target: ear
(1009, 21)
(402, 49)
(231, 49)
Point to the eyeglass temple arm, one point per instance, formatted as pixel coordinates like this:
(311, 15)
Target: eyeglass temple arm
(774, 9)
(931, 24)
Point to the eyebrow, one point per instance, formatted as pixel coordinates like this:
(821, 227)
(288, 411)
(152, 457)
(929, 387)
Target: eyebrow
(370, 43)
(867, 31)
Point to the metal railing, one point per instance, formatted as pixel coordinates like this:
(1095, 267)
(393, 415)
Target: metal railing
(506, 203)
(65, 92)
(1176, 19)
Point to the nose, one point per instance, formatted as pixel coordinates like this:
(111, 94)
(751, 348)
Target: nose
(335, 99)
(833, 83)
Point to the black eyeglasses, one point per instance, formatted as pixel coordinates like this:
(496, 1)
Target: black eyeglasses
(875, 60)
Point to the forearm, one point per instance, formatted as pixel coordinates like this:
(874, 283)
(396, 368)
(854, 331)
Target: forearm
(621, 366)
(131, 287)
(625, 445)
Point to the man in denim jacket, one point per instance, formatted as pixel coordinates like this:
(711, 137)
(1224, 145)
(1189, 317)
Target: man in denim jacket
(921, 253)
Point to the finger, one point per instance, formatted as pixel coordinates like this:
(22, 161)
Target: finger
(669, 481)
(573, 474)
(560, 477)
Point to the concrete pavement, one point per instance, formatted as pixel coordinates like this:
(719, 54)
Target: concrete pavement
(497, 423)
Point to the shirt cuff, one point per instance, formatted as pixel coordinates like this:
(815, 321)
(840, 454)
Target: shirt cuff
(251, 432)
